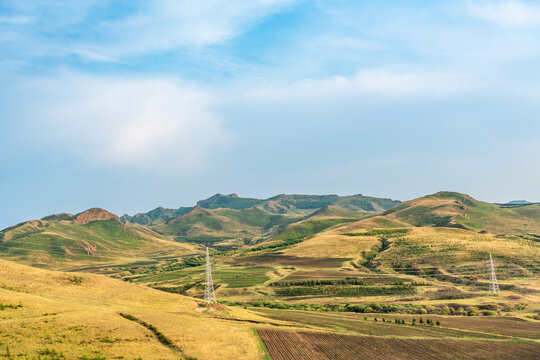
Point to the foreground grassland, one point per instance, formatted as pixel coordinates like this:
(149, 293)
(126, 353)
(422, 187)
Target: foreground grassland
(57, 315)
(79, 316)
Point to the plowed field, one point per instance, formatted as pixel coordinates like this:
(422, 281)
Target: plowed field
(288, 345)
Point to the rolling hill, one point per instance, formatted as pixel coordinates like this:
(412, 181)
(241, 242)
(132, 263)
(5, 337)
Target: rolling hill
(92, 237)
(450, 209)
(280, 204)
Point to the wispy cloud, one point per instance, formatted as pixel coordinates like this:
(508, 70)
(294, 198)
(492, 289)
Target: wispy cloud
(379, 83)
(16, 20)
(155, 123)
(506, 13)
(163, 25)
(146, 27)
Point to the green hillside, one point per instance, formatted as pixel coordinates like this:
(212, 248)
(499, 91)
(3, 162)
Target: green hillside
(76, 240)
(280, 204)
(211, 226)
(450, 209)
(310, 202)
(156, 214)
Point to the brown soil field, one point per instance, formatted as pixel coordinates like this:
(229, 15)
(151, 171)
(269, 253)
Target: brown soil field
(508, 326)
(288, 345)
(360, 326)
(287, 260)
(300, 275)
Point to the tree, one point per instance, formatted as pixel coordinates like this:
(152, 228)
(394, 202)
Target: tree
(421, 321)
(375, 319)
(438, 322)
(414, 321)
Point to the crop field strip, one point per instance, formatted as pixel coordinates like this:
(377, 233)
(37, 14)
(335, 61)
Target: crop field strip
(288, 345)
(358, 326)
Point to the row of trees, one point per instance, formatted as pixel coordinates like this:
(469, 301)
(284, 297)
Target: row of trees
(413, 321)
(346, 281)
(373, 307)
(344, 290)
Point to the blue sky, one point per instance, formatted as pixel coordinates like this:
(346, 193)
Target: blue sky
(132, 105)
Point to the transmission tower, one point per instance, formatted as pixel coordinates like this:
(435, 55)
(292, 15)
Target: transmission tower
(209, 295)
(493, 285)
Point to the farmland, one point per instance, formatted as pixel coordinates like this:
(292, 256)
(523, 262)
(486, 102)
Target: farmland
(287, 345)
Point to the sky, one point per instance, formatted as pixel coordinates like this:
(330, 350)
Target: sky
(132, 105)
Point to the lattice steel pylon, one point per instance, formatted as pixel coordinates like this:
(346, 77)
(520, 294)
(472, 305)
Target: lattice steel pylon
(493, 285)
(209, 294)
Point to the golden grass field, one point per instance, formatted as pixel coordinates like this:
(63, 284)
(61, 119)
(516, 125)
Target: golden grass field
(78, 315)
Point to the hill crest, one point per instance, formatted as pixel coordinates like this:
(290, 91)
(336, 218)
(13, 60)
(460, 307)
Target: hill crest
(93, 214)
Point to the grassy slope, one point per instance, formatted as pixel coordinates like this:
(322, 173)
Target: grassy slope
(203, 225)
(448, 209)
(79, 316)
(60, 244)
(280, 204)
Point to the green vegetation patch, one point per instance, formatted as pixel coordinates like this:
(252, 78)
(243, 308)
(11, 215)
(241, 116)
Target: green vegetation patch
(161, 338)
(9, 306)
(336, 290)
(240, 277)
(386, 232)
(252, 217)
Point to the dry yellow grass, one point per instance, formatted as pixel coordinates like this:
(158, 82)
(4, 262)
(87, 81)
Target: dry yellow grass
(327, 244)
(83, 319)
(457, 245)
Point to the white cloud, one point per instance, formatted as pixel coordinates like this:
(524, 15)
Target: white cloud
(506, 13)
(379, 83)
(122, 121)
(164, 25)
(148, 27)
(16, 20)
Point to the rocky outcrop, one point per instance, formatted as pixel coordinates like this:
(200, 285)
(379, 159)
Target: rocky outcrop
(93, 214)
